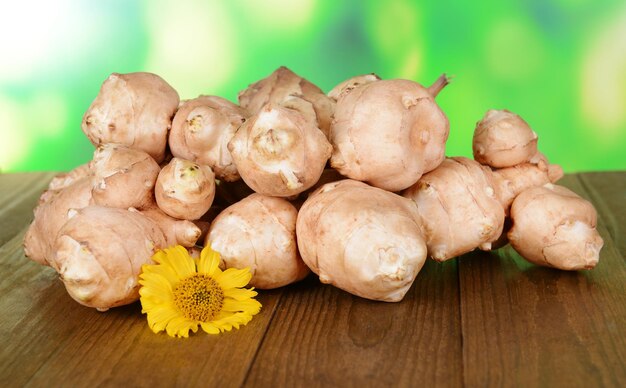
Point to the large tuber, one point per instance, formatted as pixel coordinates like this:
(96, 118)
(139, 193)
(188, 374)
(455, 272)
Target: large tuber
(134, 109)
(279, 153)
(388, 133)
(362, 239)
(259, 232)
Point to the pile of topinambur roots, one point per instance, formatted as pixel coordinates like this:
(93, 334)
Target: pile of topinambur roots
(353, 185)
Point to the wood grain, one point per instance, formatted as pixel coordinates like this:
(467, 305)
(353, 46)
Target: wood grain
(18, 196)
(525, 325)
(322, 336)
(488, 319)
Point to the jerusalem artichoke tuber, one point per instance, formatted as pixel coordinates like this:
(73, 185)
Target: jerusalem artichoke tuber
(554, 227)
(259, 232)
(278, 153)
(388, 133)
(201, 130)
(362, 239)
(134, 109)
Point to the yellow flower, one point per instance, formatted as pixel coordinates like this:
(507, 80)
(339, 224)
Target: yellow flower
(180, 293)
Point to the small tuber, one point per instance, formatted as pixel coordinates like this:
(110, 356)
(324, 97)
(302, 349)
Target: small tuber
(201, 130)
(184, 189)
(554, 227)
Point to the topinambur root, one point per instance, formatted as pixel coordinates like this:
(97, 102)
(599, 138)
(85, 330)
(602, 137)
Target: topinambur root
(99, 253)
(388, 133)
(201, 131)
(279, 86)
(184, 189)
(134, 109)
(123, 177)
(362, 239)
(459, 206)
(554, 227)
(259, 232)
(503, 139)
(278, 153)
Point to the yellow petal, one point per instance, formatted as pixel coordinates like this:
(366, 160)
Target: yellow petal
(250, 306)
(178, 327)
(240, 293)
(209, 260)
(179, 260)
(166, 271)
(209, 327)
(159, 318)
(154, 284)
(233, 320)
(233, 277)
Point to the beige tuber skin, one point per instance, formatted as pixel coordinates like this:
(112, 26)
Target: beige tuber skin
(278, 153)
(503, 139)
(350, 84)
(512, 181)
(201, 131)
(99, 253)
(259, 232)
(388, 133)
(184, 189)
(459, 206)
(64, 180)
(362, 239)
(51, 214)
(176, 232)
(554, 227)
(134, 109)
(123, 177)
(279, 87)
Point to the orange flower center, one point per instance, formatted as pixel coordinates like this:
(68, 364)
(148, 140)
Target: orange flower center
(199, 297)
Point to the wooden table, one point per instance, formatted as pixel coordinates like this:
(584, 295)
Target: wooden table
(485, 319)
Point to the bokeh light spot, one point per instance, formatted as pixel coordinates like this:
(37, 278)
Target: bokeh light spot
(603, 80)
(514, 50)
(49, 114)
(15, 142)
(192, 45)
(395, 32)
(282, 15)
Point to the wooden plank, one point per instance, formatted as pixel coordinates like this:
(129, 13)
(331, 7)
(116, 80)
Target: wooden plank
(525, 325)
(322, 336)
(18, 196)
(607, 191)
(47, 339)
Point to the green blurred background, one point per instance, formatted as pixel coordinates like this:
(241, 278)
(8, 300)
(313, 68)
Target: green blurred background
(560, 64)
